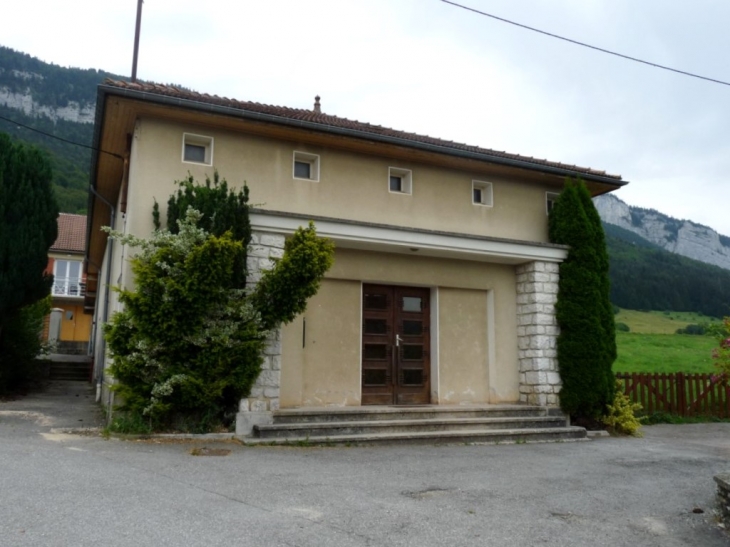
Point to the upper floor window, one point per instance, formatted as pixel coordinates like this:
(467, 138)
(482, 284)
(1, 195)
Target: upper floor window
(197, 149)
(306, 166)
(481, 193)
(550, 199)
(67, 278)
(400, 181)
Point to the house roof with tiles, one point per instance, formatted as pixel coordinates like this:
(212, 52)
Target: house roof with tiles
(184, 97)
(71, 233)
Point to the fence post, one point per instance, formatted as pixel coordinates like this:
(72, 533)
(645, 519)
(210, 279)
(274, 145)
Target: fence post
(681, 395)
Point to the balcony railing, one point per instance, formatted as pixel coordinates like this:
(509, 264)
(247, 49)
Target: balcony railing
(68, 286)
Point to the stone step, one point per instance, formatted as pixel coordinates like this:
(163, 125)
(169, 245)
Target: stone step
(361, 427)
(375, 413)
(70, 371)
(491, 436)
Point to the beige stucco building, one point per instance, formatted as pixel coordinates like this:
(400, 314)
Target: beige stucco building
(444, 280)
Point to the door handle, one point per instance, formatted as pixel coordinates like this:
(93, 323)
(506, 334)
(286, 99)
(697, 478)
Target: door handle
(398, 340)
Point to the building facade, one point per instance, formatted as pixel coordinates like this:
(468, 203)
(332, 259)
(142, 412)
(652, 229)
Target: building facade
(444, 281)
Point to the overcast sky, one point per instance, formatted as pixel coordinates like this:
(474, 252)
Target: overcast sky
(428, 67)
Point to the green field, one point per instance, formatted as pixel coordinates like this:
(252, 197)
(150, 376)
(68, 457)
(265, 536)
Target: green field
(663, 353)
(653, 346)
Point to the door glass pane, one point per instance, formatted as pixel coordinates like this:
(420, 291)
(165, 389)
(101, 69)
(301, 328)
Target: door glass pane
(412, 352)
(412, 377)
(74, 269)
(412, 303)
(376, 326)
(374, 377)
(375, 352)
(412, 328)
(61, 268)
(376, 301)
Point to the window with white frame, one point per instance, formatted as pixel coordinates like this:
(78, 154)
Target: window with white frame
(197, 149)
(305, 166)
(550, 199)
(400, 181)
(67, 278)
(481, 193)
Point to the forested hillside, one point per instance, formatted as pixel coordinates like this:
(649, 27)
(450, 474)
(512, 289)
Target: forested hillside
(644, 276)
(33, 93)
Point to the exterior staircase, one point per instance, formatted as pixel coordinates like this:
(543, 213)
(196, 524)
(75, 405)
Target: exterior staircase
(418, 424)
(70, 367)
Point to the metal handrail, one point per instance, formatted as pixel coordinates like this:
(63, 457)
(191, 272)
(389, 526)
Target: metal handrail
(68, 286)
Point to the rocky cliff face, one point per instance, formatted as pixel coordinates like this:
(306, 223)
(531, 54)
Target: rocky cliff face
(73, 111)
(683, 237)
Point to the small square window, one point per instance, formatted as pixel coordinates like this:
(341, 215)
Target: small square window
(550, 199)
(194, 153)
(197, 149)
(400, 181)
(481, 193)
(306, 166)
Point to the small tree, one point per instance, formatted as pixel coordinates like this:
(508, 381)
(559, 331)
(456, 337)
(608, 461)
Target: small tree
(586, 345)
(187, 346)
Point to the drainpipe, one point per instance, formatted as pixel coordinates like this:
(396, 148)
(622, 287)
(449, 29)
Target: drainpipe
(107, 290)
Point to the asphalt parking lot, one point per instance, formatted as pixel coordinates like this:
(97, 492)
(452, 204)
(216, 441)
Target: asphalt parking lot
(68, 489)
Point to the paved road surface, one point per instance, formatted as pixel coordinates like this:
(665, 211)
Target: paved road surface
(61, 490)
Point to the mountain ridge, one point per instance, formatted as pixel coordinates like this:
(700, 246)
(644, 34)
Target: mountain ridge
(683, 237)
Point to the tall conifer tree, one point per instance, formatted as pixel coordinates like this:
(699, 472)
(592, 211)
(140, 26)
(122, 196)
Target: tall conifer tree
(586, 345)
(28, 228)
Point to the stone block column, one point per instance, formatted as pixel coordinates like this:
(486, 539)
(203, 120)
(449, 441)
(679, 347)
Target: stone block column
(264, 398)
(537, 333)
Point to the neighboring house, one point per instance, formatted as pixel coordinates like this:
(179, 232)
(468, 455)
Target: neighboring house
(444, 281)
(65, 262)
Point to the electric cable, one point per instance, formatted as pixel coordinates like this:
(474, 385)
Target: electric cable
(576, 42)
(60, 138)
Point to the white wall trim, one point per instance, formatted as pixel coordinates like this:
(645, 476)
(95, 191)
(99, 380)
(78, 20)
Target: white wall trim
(390, 239)
(435, 335)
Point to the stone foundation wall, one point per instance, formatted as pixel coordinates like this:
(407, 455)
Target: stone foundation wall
(264, 397)
(723, 497)
(537, 333)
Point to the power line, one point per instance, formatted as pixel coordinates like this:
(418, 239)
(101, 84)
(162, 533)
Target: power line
(576, 42)
(61, 138)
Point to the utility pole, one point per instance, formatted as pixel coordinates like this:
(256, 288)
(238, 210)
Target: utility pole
(136, 40)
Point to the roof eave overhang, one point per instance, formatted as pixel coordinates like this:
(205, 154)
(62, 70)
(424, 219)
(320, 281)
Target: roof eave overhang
(353, 133)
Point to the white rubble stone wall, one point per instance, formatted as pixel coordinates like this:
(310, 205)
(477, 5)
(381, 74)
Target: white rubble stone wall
(264, 398)
(537, 333)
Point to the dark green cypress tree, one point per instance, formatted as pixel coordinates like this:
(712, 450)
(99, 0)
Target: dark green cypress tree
(586, 345)
(28, 228)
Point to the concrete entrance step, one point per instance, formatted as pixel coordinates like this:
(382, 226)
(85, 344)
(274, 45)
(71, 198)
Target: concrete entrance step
(417, 412)
(376, 427)
(432, 424)
(70, 367)
(496, 436)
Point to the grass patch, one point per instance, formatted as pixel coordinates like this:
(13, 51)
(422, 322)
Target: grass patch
(664, 353)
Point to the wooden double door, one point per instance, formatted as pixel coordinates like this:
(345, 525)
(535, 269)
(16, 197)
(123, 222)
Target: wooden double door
(396, 342)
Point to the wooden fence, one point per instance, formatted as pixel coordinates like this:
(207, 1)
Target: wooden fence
(681, 394)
